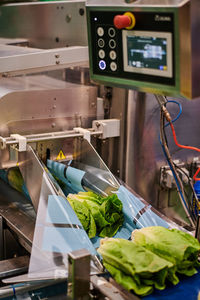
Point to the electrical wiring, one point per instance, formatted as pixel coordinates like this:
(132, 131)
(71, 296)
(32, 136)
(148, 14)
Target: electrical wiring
(179, 184)
(188, 207)
(179, 145)
(174, 134)
(195, 175)
(167, 154)
(179, 114)
(185, 147)
(191, 186)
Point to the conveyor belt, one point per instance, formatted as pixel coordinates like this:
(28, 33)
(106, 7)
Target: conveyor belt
(188, 288)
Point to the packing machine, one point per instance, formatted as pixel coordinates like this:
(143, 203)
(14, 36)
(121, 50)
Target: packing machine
(55, 122)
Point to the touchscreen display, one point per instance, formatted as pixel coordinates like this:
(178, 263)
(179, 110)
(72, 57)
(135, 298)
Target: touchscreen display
(147, 53)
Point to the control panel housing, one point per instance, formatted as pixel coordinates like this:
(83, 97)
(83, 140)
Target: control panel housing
(155, 55)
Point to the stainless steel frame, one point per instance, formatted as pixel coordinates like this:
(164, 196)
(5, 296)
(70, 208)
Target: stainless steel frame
(22, 60)
(45, 24)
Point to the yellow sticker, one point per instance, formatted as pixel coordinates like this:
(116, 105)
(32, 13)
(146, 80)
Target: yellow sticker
(60, 155)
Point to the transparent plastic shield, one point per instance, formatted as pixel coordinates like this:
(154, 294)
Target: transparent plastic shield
(98, 177)
(58, 231)
(86, 171)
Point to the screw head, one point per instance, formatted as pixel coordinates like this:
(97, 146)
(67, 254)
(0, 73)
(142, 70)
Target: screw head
(68, 18)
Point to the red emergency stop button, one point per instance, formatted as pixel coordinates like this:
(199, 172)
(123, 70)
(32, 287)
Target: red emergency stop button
(127, 20)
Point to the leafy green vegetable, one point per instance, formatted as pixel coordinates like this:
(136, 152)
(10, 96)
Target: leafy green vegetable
(175, 246)
(154, 256)
(101, 215)
(134, 267)
(84, 215)
(15, 179)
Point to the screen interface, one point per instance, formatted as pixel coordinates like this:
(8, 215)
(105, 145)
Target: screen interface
(148, 53)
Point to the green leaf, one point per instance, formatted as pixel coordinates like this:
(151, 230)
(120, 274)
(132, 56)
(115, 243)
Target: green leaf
(128, 282)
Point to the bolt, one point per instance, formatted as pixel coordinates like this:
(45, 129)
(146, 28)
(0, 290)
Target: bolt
(81, 11)
(68, 18)
(53, 125)
(5, 75)
(57, 62)
(57, 55)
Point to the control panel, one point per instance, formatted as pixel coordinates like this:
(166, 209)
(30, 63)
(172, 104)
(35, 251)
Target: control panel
(144, 47)
(129, 45)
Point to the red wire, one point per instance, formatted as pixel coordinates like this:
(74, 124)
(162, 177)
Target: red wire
(179, 145)
(185, 147)
(195, 175)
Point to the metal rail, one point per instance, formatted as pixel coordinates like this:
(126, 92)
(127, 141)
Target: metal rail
(5, 141)
(22, 60)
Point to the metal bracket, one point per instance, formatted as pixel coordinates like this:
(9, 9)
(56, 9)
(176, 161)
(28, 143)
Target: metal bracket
(109, 128)
(22, 142)
(86, 133)
(2, 143)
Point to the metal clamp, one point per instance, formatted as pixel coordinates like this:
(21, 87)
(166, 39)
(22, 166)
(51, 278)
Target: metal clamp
(21, 140)
(2, 143)
(86, 133)
(109, 128)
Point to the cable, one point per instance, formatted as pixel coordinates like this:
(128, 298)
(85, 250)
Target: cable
(185, 147)
(164, 112)
(179, 145)
(168, 157)
(174, 134)
(179, 114)
(195, 175)
(177, 167)
(179, 184)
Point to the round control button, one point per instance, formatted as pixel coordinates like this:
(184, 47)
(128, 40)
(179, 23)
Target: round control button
(100, 31)
(101, 53)
(113, 66)
(101, 43)
(113, 55)
(102, 64)
(111, 32)
(112, 44)
(122, 21)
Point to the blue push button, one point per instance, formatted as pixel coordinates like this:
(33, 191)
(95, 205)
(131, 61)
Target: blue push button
(102, 64)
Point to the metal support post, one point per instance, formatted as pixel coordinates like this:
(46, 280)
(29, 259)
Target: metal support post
(79, 275)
